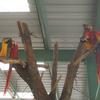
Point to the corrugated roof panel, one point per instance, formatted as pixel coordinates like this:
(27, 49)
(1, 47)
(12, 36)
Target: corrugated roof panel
(70, 8)
(65, 19)
(64, 2)
(70, 16)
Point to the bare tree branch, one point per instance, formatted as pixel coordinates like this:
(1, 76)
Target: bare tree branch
(32, 78)
(55, 85)
(54, 73)
(81, 53)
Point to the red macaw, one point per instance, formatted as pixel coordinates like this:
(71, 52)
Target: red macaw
(13, 55)
(94, 37)
(89, 37)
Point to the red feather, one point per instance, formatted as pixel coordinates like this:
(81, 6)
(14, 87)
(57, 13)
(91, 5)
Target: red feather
(8, 79)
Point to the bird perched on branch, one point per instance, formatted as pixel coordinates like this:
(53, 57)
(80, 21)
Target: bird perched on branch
(13, 55)
(89, 36)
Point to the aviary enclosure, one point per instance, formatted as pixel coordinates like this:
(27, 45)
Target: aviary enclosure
(28, 69)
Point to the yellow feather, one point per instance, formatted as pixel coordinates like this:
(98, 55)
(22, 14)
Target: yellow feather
(3, 52)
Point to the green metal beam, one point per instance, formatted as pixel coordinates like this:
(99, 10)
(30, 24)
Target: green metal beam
(92, 76)
(42, 21)
(97, 97)
(98, 16)
(47, 55)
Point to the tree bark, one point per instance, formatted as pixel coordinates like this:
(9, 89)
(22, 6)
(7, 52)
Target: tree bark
(54, 73)
(30, 74)
(80, 54)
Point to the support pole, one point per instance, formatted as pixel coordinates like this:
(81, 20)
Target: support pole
(42, 22)
(92, 76)
(97, 94)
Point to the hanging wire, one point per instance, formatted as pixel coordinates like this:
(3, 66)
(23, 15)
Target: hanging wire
(78, 88)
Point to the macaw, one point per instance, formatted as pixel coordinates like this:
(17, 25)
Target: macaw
(89, 37)
(3, 54)
(13, 55)
(94, 37)
(14, 51)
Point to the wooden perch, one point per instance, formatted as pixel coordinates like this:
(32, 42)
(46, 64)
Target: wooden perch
(32, 78)
(31, 75)
(55, 85)
(81, 53)
(54, 73)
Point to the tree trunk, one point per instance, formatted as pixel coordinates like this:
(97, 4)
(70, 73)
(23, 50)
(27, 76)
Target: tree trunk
(30, 74)
(54, 73)
(80, 54)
